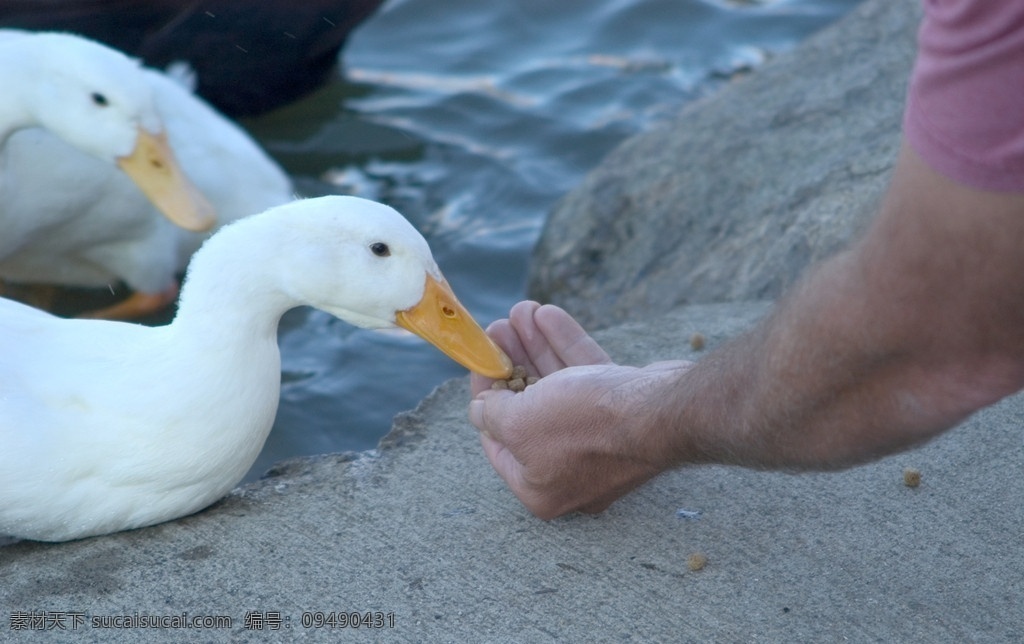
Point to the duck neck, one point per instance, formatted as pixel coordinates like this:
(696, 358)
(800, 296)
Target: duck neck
(231, 292)
(16, 72)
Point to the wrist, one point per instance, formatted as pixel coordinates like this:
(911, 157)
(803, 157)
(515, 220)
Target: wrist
(653, 429)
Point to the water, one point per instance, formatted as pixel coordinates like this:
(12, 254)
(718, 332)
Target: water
(472, 117)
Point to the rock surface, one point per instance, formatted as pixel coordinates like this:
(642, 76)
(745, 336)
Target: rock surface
(733, 198)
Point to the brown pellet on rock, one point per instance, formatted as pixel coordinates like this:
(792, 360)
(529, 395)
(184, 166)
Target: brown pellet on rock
(697, 341)
(911, 477)
(696, 561)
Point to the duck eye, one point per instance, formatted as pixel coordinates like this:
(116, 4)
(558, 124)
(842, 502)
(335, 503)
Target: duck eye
(100, 99)
(380, 249)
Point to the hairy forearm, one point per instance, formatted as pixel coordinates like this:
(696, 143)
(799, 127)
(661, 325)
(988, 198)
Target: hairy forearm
(811, 387)
(884, 346)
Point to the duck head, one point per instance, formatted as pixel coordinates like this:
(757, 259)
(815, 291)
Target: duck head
(98, 100)
(363, 262)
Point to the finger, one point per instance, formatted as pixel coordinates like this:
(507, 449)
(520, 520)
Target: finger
(489, 411)
(503, 462)
(520, 318)
(478, 383)
(511, 471)
(476, 414)
(571, 343)
(508, 339)
(497, 454)
(508, 336)
(543, 357)
(505, 336)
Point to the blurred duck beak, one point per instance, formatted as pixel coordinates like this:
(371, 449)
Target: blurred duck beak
(152, 167)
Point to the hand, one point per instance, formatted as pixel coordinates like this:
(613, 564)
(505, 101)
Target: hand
(582, 436)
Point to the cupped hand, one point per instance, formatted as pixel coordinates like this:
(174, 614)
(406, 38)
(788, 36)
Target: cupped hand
(587, 432)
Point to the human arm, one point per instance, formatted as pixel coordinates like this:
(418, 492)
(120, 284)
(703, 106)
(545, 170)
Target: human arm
(916, 326)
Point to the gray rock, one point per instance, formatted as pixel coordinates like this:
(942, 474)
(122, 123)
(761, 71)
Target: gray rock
(733, 198)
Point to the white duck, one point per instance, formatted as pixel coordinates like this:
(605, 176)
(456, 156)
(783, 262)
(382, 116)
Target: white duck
(107, 426)
(73, 116)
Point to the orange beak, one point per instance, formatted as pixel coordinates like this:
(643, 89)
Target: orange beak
(441, 320)
(152, 167)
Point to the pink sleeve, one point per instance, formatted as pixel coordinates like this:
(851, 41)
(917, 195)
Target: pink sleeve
(965, 105)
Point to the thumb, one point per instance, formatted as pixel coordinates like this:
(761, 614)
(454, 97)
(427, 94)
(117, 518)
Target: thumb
(487, 410)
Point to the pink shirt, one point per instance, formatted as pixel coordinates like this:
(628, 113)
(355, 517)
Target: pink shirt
(965, 106)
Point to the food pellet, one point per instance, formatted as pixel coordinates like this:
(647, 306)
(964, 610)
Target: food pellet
(517, 382)
(697, 341)
(696, 561)
(911, 477)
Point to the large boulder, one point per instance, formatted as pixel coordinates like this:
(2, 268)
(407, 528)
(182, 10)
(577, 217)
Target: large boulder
(733, 198)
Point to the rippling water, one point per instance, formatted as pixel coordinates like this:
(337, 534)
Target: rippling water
(472, 117)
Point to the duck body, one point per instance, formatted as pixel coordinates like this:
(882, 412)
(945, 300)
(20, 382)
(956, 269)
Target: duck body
(73, 219)
(96, 450)
(248, 58)
(107, 426)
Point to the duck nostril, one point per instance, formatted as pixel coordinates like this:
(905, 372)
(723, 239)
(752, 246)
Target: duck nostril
(448, 311)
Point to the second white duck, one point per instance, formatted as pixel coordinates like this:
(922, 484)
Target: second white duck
(72, 216)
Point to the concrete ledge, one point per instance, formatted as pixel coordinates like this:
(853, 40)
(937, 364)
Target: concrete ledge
(424, 529)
